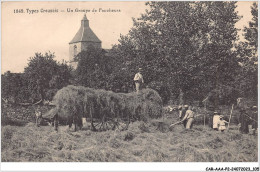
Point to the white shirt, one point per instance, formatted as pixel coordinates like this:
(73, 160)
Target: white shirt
(216, 119)
(188, 114)
(139, 77)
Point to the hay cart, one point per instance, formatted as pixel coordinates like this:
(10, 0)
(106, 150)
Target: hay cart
(106, 122)
(106, 110)
(112, 116)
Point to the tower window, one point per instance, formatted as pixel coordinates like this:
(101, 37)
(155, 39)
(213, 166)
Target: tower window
(75, 50)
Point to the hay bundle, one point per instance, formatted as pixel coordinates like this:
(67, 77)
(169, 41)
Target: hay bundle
(69, 103)
(145, 104)
(77, 102)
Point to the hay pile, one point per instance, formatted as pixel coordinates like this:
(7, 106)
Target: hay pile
(75, 102)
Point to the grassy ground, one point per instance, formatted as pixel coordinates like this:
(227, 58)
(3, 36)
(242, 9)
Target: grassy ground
(141, 142)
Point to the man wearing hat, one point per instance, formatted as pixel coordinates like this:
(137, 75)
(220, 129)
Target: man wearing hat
(216, 118)
(138, 79)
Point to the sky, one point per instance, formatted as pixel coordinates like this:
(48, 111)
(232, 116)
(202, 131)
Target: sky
(35, 30)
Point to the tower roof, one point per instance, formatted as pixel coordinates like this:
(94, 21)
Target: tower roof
(85, 34)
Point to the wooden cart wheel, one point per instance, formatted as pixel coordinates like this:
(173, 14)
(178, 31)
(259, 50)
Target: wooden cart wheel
(108, 123)
(96, 124)
(104, 124)
(122, 123)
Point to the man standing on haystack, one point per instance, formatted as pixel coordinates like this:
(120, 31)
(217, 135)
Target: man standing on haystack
(138, 79)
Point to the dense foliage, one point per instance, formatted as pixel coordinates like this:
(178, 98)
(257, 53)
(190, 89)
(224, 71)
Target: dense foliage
(188, 51)
(92, 69)
(248, 58)
(185, 48)
(41, 79)
(14, 87)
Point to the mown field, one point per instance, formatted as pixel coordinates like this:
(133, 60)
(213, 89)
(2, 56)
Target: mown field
(142, 142)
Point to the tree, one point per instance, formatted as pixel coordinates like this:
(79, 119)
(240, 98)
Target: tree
(251, 32)
(14, 87)
(185, 47)
(248, 58)
(218, 53)
(93, 68)
(43, 73)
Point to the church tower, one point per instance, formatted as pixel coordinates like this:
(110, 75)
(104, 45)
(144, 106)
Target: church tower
(83, 39)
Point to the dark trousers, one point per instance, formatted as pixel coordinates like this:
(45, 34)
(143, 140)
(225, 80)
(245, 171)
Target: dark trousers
(244, 123)
(184, 123)
(56, 122)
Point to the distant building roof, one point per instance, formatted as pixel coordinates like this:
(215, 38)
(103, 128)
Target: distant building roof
(85, 34)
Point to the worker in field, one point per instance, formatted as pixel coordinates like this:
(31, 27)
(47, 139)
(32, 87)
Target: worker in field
(222, 123)
(138, 79)
(244, 121)
(216, 119)
(183, 113)
(188, 118)
(210, 114)
(180, 112)
(255, 119)
(38, 115)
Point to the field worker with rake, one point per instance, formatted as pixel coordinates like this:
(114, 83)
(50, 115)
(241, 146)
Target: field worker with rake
(222, 124)
(216, 119)
(244, 118)
(255, 119)
(188, 118)
(38, 115)
(138, 79)
(244, 121)
(180, 111)
(210, 114)
(183, 114)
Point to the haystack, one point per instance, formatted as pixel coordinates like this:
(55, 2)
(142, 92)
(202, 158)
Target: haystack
(77, 102)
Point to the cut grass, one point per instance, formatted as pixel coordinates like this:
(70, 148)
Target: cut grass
(43, 144)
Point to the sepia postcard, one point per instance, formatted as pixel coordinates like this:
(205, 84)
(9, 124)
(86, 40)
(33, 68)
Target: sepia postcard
(129, 81)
